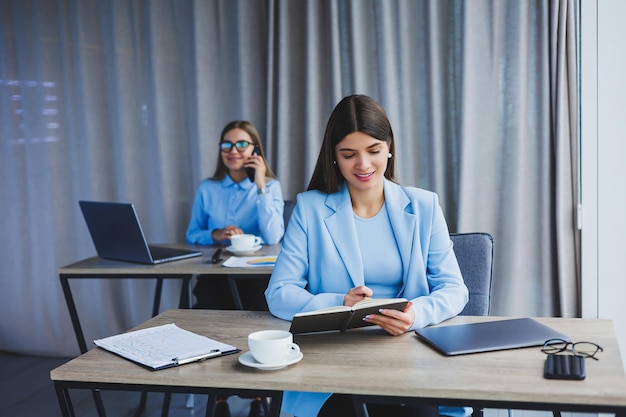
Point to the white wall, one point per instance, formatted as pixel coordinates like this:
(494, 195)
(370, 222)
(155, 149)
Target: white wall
(603, 159)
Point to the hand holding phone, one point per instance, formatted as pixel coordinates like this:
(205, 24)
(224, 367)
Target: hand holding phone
(251, 171)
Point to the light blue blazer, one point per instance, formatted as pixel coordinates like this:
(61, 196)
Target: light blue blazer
(320, 261)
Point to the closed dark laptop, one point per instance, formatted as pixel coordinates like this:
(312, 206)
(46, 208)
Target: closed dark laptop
(488, 336)
(117, 234)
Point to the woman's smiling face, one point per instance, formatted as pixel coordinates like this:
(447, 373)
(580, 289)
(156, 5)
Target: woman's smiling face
(234, 159)
(362, 160)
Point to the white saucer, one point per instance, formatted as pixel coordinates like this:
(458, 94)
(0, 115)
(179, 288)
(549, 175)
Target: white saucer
(248, 360)
(243, 252)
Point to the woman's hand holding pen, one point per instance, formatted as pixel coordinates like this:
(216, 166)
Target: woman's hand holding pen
(392, 321)
(357, 294)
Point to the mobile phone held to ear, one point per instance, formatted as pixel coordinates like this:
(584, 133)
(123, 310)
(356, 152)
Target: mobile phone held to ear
(250, 171)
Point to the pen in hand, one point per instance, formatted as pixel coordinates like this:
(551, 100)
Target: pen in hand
(216, 256)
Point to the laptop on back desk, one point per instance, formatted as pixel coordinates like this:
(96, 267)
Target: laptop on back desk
(117, 234)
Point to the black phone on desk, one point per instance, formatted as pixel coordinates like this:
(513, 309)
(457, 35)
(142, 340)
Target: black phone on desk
(251, 171)
(564, 367)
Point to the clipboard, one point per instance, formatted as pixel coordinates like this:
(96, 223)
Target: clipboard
(164, 346)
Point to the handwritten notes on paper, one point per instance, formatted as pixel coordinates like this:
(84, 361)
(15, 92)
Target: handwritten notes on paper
(163, 346)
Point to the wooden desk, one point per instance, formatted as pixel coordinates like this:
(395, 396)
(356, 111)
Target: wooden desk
(367, 362)
(184, 270)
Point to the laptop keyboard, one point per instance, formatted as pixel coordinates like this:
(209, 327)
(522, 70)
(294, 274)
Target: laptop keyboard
(163, 253)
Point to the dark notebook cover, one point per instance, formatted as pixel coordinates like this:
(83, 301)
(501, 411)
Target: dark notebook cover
(342, 318)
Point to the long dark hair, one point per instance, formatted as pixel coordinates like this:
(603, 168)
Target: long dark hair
(220, 169)
(355, 113)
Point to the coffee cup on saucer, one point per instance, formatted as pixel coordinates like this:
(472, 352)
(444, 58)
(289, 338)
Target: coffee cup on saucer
(271, 347)
(244, 242)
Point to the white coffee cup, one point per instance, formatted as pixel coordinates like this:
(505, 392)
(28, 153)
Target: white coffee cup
(244, 242)
(272, 346)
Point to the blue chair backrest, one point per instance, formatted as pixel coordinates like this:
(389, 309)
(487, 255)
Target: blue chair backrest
(474, 252)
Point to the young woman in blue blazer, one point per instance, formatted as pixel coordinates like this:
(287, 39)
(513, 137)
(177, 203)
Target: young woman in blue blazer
(354, 234)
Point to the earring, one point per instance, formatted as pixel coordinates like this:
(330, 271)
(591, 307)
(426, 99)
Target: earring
(335, 162)
(389, 156)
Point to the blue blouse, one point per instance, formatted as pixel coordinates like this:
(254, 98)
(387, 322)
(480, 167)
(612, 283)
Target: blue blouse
(219, 203)
(382, 265)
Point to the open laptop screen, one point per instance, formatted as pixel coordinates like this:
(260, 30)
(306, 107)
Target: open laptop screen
(117, 234)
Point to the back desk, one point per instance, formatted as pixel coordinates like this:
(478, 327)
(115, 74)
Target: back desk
(184, 270)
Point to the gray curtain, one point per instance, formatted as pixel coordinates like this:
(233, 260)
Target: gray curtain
(124, 101)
